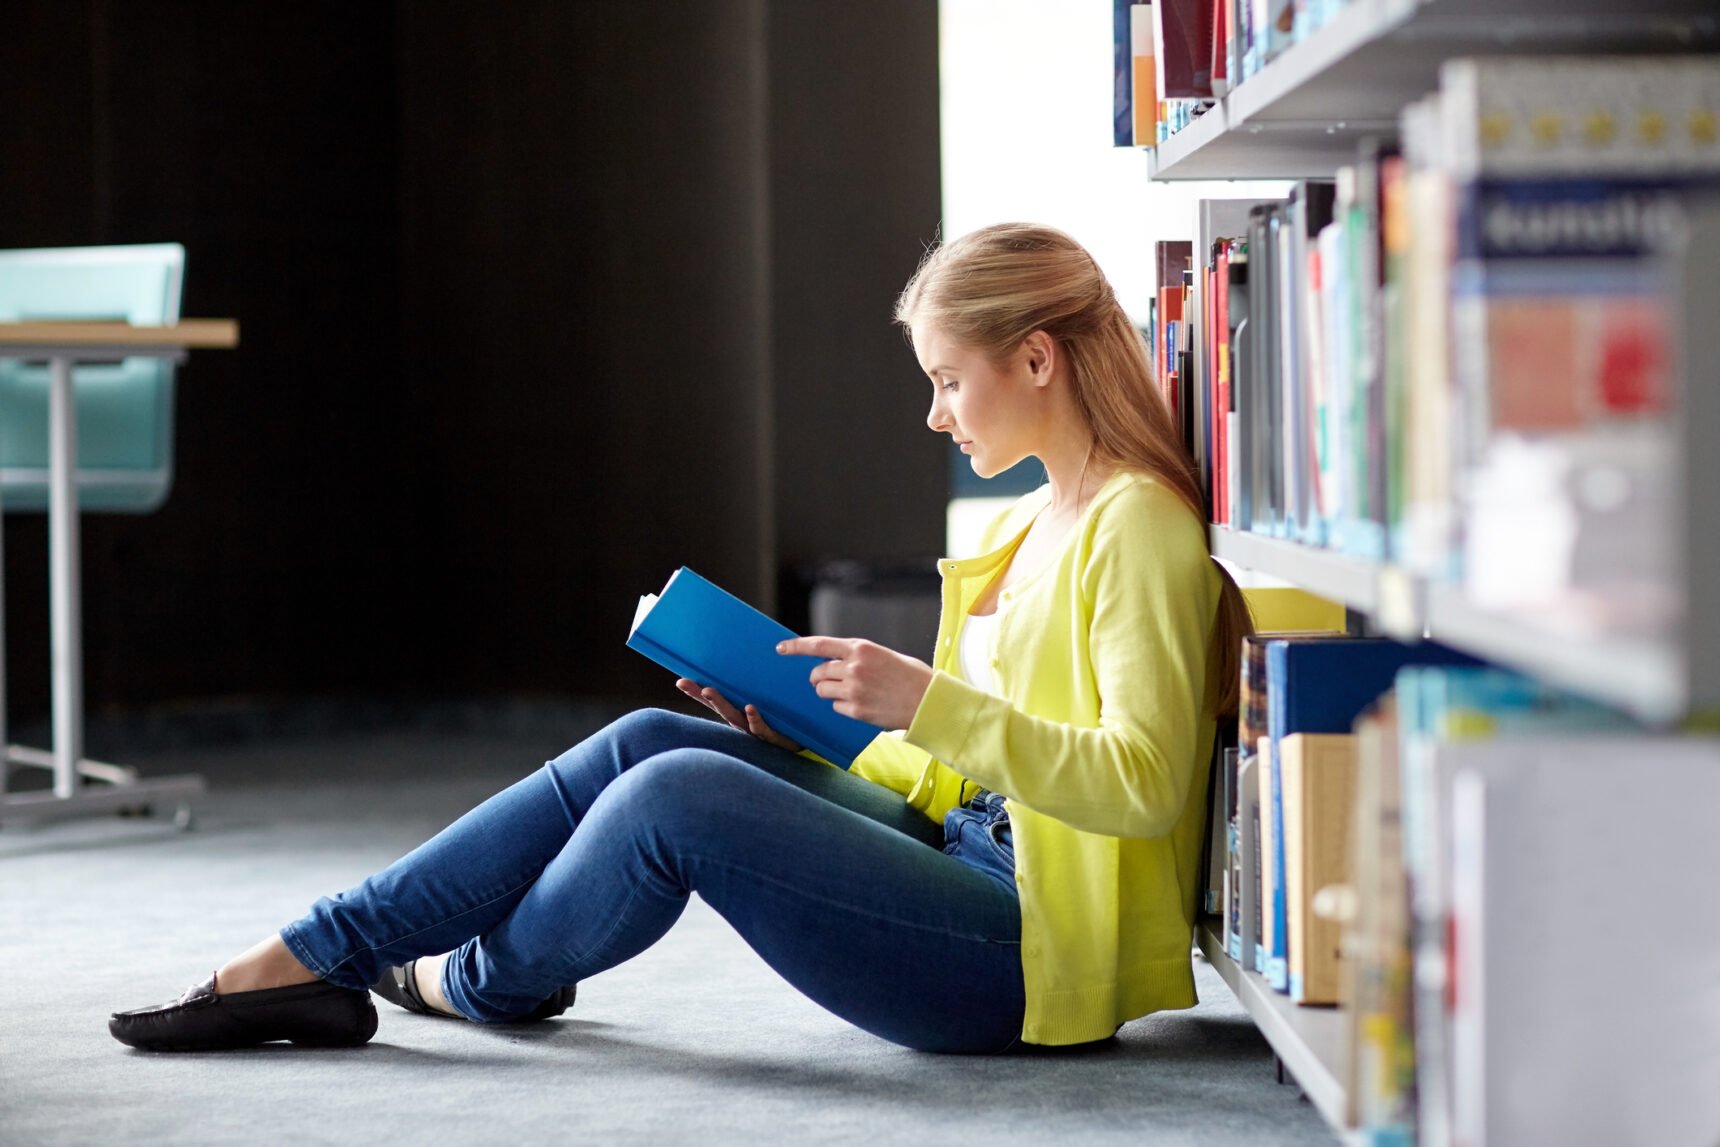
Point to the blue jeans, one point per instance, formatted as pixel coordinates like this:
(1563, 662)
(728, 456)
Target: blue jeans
(833, 880)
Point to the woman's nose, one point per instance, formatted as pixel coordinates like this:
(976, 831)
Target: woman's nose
(938, 418)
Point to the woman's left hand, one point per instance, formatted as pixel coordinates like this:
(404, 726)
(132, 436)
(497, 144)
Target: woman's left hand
(864, 679)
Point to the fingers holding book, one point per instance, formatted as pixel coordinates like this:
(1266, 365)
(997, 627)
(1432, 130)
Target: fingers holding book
(748, 720)
(863, 679)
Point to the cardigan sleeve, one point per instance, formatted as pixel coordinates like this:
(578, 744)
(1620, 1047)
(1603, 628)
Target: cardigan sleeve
(1147, 592)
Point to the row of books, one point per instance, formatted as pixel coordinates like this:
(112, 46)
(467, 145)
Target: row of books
(1173, 58)
(1459, 355)
(1464, 859)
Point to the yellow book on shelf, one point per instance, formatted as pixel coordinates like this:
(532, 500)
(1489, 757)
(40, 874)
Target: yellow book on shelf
(1278, 610)
(1319, 785)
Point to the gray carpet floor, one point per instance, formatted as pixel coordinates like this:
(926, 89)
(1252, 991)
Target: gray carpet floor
(696, 1041)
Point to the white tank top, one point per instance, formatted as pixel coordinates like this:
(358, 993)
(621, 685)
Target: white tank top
(975, 651)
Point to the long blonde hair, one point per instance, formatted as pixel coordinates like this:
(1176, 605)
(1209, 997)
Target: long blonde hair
(992, 288)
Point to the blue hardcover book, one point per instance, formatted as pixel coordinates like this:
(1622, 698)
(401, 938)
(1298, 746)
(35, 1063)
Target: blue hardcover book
(697, 630)
(1316, 685)
(1122, 75)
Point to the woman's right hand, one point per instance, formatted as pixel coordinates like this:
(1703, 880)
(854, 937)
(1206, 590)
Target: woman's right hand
(750, 721)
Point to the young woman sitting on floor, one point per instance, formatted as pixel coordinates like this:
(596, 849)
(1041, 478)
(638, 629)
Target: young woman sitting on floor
(1018, 864)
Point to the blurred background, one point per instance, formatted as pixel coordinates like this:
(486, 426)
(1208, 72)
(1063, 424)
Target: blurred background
(538, 303)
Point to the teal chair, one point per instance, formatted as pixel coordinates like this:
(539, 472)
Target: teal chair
(124, 463)
(124, 409)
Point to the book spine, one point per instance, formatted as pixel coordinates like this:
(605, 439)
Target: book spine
(1122, 74)
(1267, 947)
(1143, 75)
(1221, 388)
(1468, 985)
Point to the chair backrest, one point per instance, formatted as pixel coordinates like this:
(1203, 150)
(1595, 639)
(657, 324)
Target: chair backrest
(124, 408)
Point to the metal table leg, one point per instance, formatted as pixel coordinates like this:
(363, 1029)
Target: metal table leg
(63, 578)
(124, 790)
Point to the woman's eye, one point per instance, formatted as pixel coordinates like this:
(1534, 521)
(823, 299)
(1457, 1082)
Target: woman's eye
(949, 385)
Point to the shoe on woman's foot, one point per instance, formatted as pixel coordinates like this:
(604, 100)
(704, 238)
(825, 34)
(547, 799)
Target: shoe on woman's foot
(317, 1014)
(399, 986)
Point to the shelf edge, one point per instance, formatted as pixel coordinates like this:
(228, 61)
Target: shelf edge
(1317, 1079)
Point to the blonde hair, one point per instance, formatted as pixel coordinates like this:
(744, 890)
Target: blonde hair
(992, 288)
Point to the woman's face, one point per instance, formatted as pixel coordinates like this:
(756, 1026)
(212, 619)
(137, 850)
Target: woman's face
(992, 410)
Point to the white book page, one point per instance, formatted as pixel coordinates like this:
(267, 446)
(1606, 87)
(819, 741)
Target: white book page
(645, 603)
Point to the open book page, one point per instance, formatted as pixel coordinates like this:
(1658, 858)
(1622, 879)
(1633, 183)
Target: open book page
(645, 603)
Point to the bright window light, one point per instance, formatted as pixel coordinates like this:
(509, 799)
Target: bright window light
(1026, 95)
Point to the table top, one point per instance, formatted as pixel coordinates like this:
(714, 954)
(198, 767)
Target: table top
(213, 334)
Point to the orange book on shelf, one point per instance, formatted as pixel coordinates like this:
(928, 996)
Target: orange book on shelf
(1170, 312)
(1144, 74)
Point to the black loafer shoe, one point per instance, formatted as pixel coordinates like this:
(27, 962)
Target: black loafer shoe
(316, 1014)
(399, 986)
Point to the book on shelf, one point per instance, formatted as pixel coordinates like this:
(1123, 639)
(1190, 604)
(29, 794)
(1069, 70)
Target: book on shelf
(1143, 76)
(1253, 717)
(1182, 47)
(1570, 1026)
(1267, 860)
(1469, 369)
(1221, 798)
(1450, 719)
(1319, 684)
(1375, 988)
(1569, 177)
(1218, 221)
(1244, 934)
(1280, 612)
(1219, 46)
(700, 631)
(1171, 258)
(1122, 74)
(1318, 781)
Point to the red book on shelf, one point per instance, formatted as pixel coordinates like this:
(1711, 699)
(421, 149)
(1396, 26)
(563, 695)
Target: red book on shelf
(1170, 323)
(1182, 44)
(1219, 19)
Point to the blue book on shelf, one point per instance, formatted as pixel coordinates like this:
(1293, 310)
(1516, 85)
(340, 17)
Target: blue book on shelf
(1122, 75)
(1321, 685)
(697, 630)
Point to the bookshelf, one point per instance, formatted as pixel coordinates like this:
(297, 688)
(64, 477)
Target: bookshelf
(1302, 116)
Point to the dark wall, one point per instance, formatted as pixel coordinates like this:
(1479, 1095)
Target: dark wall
(537, 304)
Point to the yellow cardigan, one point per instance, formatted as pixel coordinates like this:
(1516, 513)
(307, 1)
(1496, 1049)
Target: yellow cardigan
(1099, 741)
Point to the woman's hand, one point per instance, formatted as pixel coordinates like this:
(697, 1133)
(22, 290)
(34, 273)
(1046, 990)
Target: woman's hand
(748, 722)
(864, 679)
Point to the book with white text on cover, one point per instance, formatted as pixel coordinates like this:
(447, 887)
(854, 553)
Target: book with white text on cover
(700, 631)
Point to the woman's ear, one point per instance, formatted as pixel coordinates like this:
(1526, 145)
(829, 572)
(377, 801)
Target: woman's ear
(1041, 351)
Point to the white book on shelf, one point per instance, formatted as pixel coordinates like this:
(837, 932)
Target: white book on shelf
(1289, 372)
(1587, 954)
(1247, 936)
(1588, 116)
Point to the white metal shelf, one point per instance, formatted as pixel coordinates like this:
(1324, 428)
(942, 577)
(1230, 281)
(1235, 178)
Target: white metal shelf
(1309, 1041)
(1354, 582)
(1302, 114)
(1647, 678)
